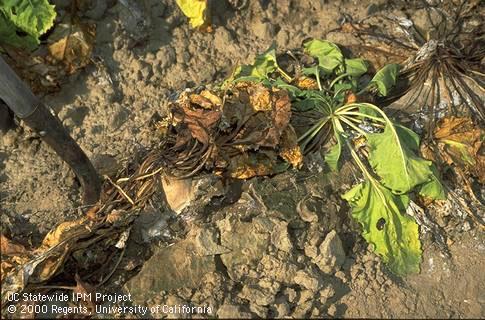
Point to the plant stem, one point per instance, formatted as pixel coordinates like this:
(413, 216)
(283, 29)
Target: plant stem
(349, 123)
(315, 128)
(317, 75)
(285, 75)
(337, 79)
(360, 114)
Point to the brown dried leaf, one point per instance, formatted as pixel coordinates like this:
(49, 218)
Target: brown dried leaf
(86, 292)
(306, 83)
(9, 248)
(71, 43)
(199, 121)
(68, 229)
(12, 255)
(216, 101)
(273, 112)
(290, 150)
(49, 266)
(252, 164)
(460, 142)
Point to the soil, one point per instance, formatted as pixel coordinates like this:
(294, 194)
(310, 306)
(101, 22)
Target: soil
(283, 246)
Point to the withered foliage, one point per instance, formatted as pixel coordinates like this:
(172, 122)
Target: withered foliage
(243, 134)
(443, 73)
(458, 142)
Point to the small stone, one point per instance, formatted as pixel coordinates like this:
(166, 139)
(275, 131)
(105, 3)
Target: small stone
(305, 211)
(281, 310)
(327, 293)
(311, 251)
(307, 281)
(341, 275)
(9, 138)
(178, 193)
(332, 254)
(303, 307)
(368, 291)
(105, 164)
(354, 272)
(229, 311)
(257, 295)
(260, 311)
(280, 238)
(291, 294)
(332, 310)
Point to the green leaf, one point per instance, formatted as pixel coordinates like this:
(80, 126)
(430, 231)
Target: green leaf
(195, 10)
(394, 235)
(34, 17)
(392, 155)
(293, 91)
(328, 54)
(8, 35)
(433, 189)
(385, 78)
(462, 149)
(355, 67)
(333, 156)
(264, 64)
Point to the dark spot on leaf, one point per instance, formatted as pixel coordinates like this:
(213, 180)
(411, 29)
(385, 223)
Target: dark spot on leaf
(380, 224)
(21, 33)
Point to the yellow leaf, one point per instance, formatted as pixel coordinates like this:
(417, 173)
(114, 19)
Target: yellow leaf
(195, 10)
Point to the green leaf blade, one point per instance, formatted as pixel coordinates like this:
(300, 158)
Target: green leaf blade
(328, 54)
(385, 78)
(263, 65)
(433, 189)
(355, 67)
(392, 156)
(333, 156)
(34, 17)
(394, 235)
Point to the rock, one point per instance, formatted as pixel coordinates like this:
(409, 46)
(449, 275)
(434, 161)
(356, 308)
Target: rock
(279, 236)
(256, 295)
(332, 310)
(281, 310)
(306, 280)
(170, 268)
(327, 293)
(281, 271)
(245, 243)
(304, 305)
(291, 294)
(206, 242)
(332, 254)
(260, 311)
(228, 311)
(178, 193)
(9, 138)
(149, 225)
(306, 211)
